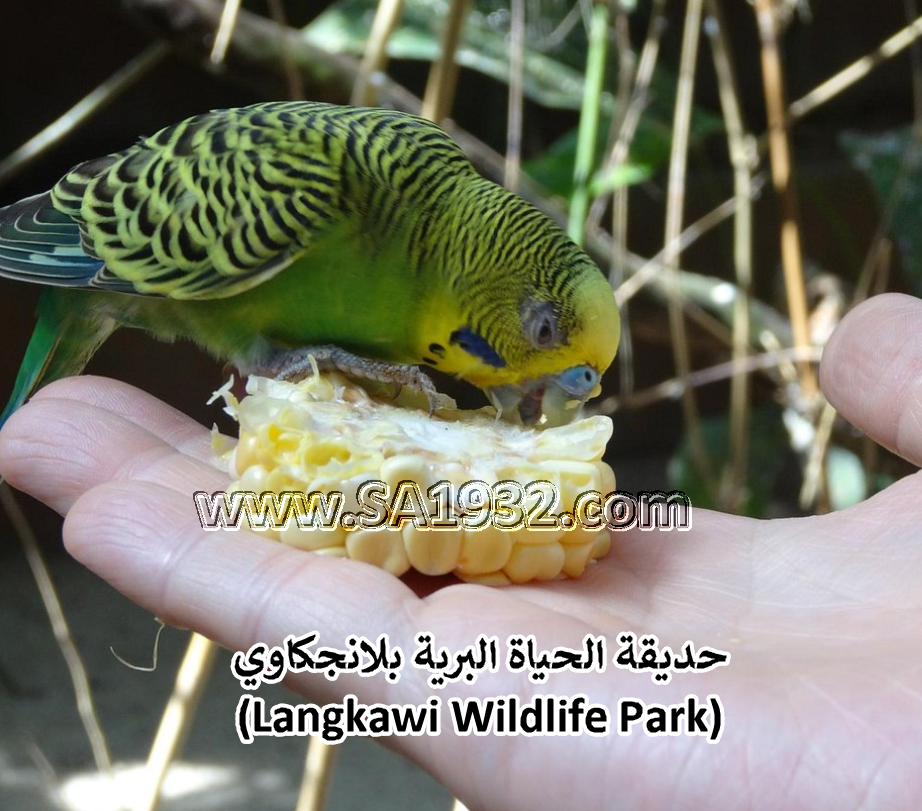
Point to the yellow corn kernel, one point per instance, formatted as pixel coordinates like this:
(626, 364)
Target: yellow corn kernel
(535, 562)
(328, 435)
(576, 556)
(245, 455)
(332, 551)
(483, 551)
(432, 552)
(381, 548)
(489, 579)
(253, 478)
(312, 539)
(608, 481)
(602, 545)
(278, 481)
(531, 536)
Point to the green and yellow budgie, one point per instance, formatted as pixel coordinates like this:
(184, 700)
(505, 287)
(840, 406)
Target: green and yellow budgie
(362, 237)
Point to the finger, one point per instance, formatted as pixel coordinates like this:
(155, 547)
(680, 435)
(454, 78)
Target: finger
(135, 405)
(56, 449)
(872, 372)
(238, 588)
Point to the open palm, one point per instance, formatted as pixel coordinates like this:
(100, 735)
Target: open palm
(822, 616)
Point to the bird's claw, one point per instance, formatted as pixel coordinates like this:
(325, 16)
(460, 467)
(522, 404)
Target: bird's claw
(296, 364)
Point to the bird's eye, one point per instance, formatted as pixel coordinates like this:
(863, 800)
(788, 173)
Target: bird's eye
(541, 325)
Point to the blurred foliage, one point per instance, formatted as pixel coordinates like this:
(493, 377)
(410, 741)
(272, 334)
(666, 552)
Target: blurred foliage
(770, 463)
(769, 451)
(881, 156)
(553, 169)
(554, 52)
(649, 151)
(555, 48)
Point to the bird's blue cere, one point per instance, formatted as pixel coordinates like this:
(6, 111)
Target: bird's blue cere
(578, 381)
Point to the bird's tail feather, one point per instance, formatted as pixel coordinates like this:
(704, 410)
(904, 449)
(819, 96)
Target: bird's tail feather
(63, 341)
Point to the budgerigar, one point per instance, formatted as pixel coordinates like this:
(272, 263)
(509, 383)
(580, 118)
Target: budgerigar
(361, 236)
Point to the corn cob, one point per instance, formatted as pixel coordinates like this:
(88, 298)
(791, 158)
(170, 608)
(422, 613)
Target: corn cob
(326, 434)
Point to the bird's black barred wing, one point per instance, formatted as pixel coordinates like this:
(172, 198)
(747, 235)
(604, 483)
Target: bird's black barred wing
(223, 201)
(209, 207)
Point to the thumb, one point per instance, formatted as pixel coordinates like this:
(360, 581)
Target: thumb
(871, 372)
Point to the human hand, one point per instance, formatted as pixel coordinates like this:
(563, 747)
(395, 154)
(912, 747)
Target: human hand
(822, 615)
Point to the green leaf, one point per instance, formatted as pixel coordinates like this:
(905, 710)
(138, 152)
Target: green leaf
(618, 176)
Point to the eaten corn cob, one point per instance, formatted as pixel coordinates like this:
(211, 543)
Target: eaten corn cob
(326, 434)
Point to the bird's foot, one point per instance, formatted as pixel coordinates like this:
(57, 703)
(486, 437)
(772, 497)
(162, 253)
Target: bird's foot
(295, 364)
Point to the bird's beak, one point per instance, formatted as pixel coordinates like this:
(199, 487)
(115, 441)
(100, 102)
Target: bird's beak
(547, 401)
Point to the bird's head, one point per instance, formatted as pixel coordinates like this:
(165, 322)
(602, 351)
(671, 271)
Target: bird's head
(530, 319)
(564, 347)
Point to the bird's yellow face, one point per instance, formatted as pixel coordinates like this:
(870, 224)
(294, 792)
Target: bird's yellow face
(537, 357)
